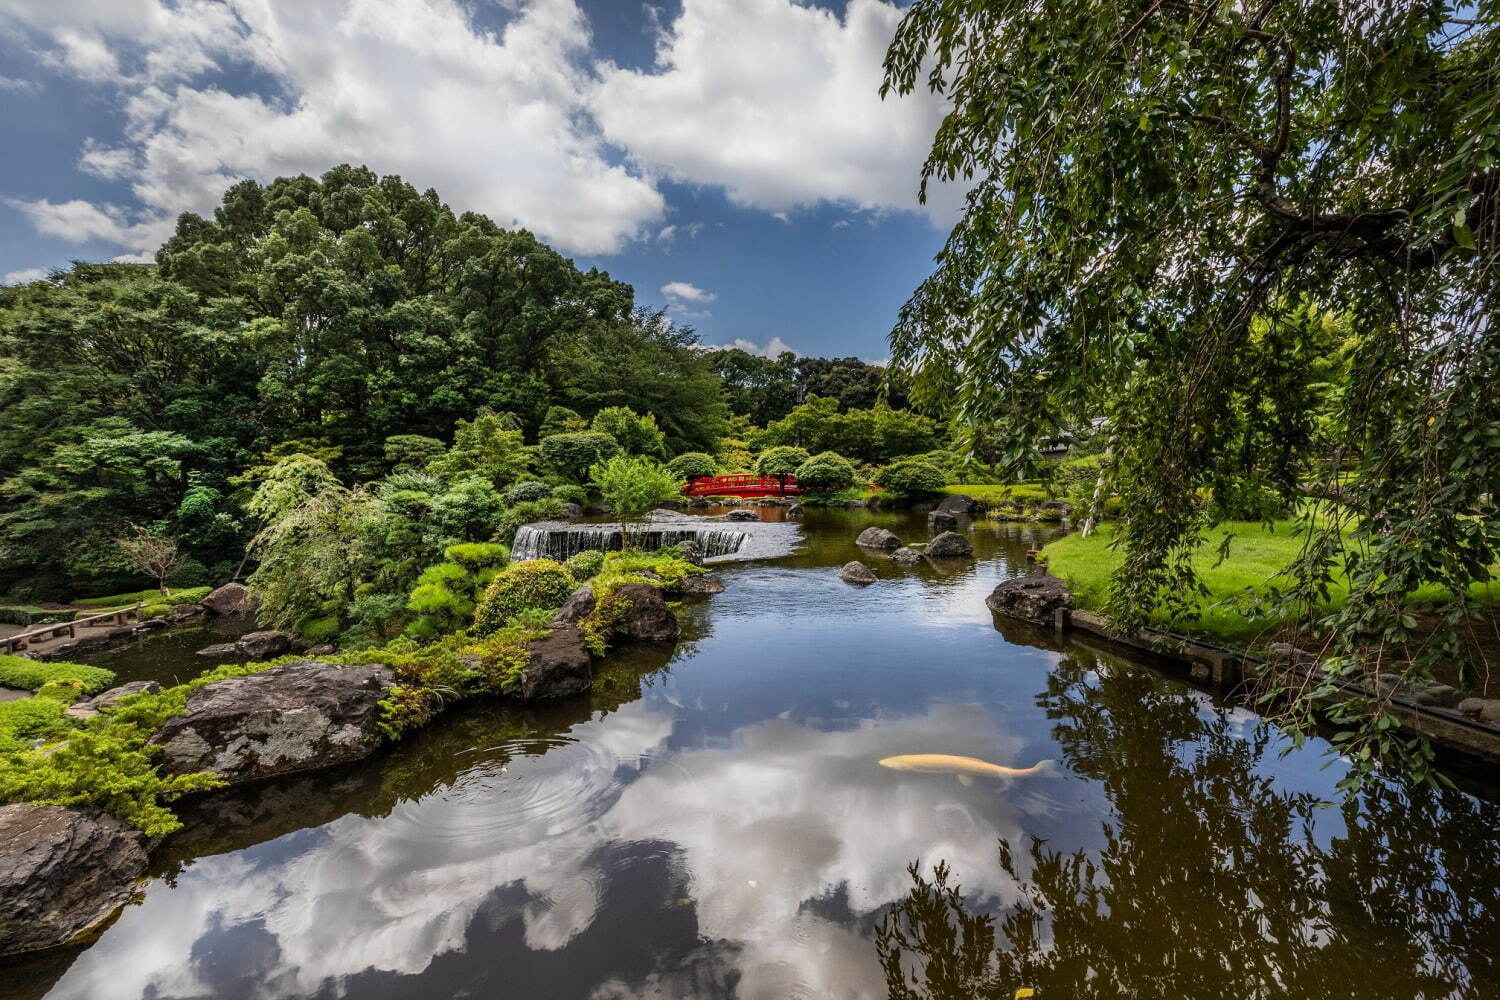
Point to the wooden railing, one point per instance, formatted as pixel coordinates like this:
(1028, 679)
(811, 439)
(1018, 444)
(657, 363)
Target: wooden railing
(22, 640)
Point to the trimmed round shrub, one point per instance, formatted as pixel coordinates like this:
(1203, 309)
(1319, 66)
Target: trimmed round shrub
(692, 465)
(572, 455)
(536, 583)
(585, 564)
(568, 493)
(827, 472)
(529, 491)
(911, 477)
(781, 460)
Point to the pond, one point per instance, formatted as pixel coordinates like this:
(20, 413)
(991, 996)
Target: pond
(713, 821)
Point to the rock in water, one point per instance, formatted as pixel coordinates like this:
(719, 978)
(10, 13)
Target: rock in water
(1032, 598)
(857, 573)
(62, 871)
(960, 504)
(560, 665)
(265, 645)
(646, 617)
(906, 557)
(297, 717)
(742, 515)
(940, 520)
(230, 599)
(691, 552)
(877, 538)
(950, 545)
(701, 585)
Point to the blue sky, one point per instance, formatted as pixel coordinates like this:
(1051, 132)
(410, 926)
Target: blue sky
(729, 158)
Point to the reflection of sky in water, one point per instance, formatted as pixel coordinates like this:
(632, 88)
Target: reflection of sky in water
(782, 815)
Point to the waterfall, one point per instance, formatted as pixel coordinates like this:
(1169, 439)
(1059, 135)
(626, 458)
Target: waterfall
(562, 541)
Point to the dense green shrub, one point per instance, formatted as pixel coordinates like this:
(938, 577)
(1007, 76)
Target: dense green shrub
(469, 510)
(549, 509)
(152, 596)
(781, 460)
(561, 420)
(66, 690)
(528, 491)
(191, 573)
(632, 485)
(446, 594)
(635, 434)
(692, 465)
(406, 452)
(572, 455)
(28, 614)
(825, 473)
(29, 719)
(910, 478)
(569, 493)
(585, 564)
(536, 583)
(29, 675)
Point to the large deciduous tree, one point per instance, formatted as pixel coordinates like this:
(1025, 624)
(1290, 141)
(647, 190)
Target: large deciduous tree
(1168, 200)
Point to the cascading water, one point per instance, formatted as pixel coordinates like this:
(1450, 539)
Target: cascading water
(560, 541)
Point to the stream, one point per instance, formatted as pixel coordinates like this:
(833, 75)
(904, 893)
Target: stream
(712, 820)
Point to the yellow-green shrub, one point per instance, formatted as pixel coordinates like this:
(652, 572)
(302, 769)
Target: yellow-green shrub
(536, 583)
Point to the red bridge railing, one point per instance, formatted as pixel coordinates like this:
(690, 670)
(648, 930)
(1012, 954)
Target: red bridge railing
(742, 486)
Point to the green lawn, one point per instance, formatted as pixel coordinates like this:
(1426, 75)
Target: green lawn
(1256, 556)
(991, 494)
(29, 675)
(180, 595)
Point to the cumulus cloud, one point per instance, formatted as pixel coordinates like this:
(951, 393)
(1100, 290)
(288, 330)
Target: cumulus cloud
(774, 348)
(414, 87)
(682, 291)
(24, 275)
(778, 102)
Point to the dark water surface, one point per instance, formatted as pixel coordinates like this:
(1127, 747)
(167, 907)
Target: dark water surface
(711, 821)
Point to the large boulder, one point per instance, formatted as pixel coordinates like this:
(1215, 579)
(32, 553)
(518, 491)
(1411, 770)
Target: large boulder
(265, 645)
(939, 521)
(62, 871)
(296, 717)
(579, 605)
(957, 503)
(560, 665)
(231, 599)
(857, 573)
(700, 585)
(691, 552)
(90, 707)
(182, 614)
(1030, 598)
(646, 617)
(950, 545)
(877, 538)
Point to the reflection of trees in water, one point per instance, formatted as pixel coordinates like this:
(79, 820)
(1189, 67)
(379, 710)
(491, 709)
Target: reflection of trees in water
(1211, 881)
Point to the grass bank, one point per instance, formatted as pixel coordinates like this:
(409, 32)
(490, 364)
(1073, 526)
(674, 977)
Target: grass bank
(1257, 555)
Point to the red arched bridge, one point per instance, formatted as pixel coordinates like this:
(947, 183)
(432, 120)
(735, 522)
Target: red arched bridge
(743, 486)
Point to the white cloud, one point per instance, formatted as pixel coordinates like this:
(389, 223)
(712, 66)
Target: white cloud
(774, 348)
(779, 103)
(106, 162)
(24, 275)
(18, 86)
(682, 291)
(493, 121)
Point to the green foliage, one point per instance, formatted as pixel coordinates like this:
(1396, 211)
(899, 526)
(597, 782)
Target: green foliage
(635, 434)
(782, 460)
(446, 594)
(26, 720)
(633, 485)
(692, 465)
(878, 434)
(586, 564)
(25, 614)
(30, 675)
(569, 493)
(572, 455)
(409, 452)
(529, 491)
(66, 690)
(766, 389)
(549, 509)
(187, 595)
(561, 420)
(1347, 167)
(911, 478)
(468, 510)
(664, 570)
(825, 473)
(487, 447)
(536, 583)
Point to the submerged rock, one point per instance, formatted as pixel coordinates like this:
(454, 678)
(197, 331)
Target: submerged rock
(742, 515)
(794, 511)
(297, 717)
(231, 599)
(906, 557)
(252, 646)
(877, 538)
(90, 707)
(701, 585)
(950, 545)
(560, 665)
(857, 573)
(1031, 598)
(940, 520)
(62, 871)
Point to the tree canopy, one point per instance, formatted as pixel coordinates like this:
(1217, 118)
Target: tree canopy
(1169, 202)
